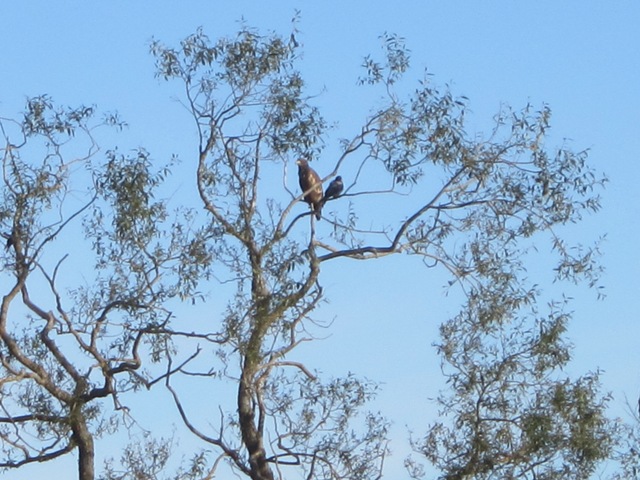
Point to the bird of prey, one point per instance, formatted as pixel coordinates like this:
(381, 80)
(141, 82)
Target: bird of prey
(334, 189)
(311, 186)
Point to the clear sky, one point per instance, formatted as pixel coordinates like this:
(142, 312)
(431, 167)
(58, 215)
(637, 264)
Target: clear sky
(581, 58)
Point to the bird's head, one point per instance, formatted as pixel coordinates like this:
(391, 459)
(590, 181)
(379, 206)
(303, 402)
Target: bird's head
(301, 162)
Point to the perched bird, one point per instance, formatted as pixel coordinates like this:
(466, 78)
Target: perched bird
(10, 240)
(334, 189)
(311, 186)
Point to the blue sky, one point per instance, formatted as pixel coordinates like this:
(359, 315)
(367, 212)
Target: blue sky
(581, 58)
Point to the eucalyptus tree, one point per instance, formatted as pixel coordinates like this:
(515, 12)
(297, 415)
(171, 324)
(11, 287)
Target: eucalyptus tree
(475, 206)
(510, 411)
(83, 279)
(74, 340)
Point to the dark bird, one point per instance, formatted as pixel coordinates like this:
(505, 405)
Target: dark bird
(10, 240)
(334, 189)
(311, 186)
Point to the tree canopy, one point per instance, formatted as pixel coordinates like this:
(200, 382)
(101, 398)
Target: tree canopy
(477, 206)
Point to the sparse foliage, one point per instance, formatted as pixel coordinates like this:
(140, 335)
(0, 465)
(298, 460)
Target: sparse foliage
(474, 206)
(512, 412)
(67, 343)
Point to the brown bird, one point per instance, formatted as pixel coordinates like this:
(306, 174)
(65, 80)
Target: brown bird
(311, 186)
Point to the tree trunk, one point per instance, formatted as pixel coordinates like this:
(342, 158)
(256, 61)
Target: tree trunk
(84, 442)
(251, 436)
